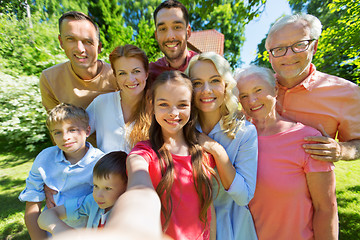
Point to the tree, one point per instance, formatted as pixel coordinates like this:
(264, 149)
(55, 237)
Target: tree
(228, 17)
(262, 58)
(339, 49)
(113, 30)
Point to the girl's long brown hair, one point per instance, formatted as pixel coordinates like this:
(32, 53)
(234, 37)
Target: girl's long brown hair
(199, 161)
(139, 115)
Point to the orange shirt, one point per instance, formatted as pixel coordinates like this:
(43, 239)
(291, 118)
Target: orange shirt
(60, 84)
(323, 99)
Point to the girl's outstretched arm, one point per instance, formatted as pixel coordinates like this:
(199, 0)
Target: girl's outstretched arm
(50, 220)
(135, 215)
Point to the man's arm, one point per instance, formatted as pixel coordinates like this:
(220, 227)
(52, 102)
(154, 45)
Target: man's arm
(328, 149)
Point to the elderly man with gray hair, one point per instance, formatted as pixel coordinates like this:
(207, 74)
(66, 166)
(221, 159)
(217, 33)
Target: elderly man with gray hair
(325, 102)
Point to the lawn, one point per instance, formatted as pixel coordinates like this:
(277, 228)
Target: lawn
(14, 167)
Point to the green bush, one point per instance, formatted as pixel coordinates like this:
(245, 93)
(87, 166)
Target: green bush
(26, 50)
(22, 117)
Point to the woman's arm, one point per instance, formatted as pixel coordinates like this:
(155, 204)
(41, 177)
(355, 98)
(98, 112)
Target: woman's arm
(32, 212)
(225, 168)
(244, 150)
(322, 190)
(50, 220)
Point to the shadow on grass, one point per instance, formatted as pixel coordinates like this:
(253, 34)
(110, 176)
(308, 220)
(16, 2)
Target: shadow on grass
(13, 155)
(349, 220)
(15, 231)
(10, 204)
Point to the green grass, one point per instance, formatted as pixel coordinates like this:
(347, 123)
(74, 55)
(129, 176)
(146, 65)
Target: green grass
(14, 168)
(15, 165)
(348, 198)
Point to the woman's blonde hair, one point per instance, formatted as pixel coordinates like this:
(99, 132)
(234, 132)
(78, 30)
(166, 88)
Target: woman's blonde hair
(139, 115)
(231, 116)
(199, 161)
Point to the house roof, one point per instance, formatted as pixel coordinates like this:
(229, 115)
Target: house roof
(207, 41)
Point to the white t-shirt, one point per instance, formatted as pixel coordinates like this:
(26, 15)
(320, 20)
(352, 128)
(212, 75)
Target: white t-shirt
(106, 118)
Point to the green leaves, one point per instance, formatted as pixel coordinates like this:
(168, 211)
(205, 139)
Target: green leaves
(25, 50)
(22, 117)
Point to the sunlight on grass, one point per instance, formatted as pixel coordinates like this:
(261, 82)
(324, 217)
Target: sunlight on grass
(348, 197)
(14, 168)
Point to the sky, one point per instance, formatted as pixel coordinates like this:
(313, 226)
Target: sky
(256, 30)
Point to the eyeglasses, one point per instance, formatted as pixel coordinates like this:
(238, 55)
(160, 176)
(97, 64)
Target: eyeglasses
(297, 47)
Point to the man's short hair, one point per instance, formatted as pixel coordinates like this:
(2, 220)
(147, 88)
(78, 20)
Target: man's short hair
(74, 15)
(313, 22)
(111, 163)
(173, 4)
(67, 112)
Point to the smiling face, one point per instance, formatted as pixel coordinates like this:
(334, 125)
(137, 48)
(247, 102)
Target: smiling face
(130, 75)
(70, 137)
(172, 106)
(79, 40)
(293, 67)
(172, 33)
(107, 190)
(209, 88)
(257, 97)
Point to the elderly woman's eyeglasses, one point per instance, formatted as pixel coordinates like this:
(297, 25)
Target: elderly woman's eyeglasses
(297, 47)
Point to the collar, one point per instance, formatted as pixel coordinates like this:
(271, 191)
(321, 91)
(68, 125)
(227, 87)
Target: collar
(84, 161)
(307, 83)
(183, 66)
(217, 127)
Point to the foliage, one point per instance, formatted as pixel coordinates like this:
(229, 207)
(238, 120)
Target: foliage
(25, 50)
(336, 17)
(339, 49)
(108, 15)
(22, 117)
(262, 58)
(228, 17)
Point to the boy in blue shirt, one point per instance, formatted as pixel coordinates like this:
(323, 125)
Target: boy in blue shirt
(66, 167)
(110, 181)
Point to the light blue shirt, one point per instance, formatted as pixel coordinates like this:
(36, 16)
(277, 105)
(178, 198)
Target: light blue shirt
(84, 207)
(51, 168)
(233, 217)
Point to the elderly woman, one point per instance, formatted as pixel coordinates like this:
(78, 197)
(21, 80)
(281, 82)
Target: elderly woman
(295, 194)
(221, 120)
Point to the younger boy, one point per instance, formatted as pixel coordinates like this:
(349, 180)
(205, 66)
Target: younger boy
(66, 167)
(110, 181)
